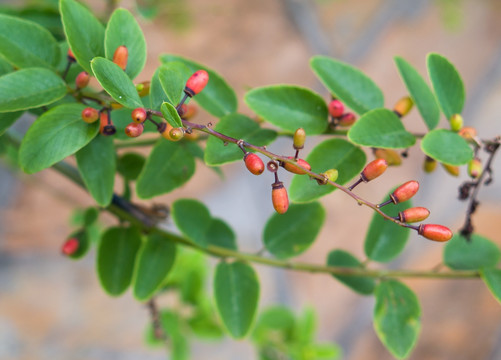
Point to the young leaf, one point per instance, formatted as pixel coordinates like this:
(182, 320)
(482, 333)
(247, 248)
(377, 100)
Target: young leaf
(338, 154)
(236, 290)
(97, 163)
(289, 107)
(420, 92)
(171, 115)
(123, 29)
(240, 127)
(292, 233)
(84, 32)
(380, 128)
(478, 252)
(447, 84)
(347, 83)
(29, 45)
(116, 82)
(193, 219)
(173, 77)
(116, 255)
(384, 239)
(7, 120)
(492, 278)
(154, 261)
(30, 88)
(220, 234)
(129, 165)
(397, 317)
(58, 133)
(168, 167)
(157, 93)
(362, 285)
(218, 98)
(447, 147)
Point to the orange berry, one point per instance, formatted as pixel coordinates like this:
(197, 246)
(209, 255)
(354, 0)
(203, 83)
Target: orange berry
(70, 246)
(139, 115)
(164, 129)
(121, 56)
(82, 80)
(106, 127)
(279, 197)
(299, 139)
(143, 88)
(373, 169)
(254, 163)
(187, 111)
(468, 133)
(405, 191)
(347, 119)
(134, 129)
(196, 83)
(295, 169)
(413, 215)
(435, 232)
(336, 108)
(90, 115)
(403, 106)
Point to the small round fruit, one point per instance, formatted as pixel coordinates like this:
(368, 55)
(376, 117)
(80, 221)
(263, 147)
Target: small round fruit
(373, 169)
(254, 163)
(336, 108)
(90, 115)
(279, 197)
(435, 232)
(70, 246)
(296, 169)
(82, 80)
(456, 122)
(196, 83)
(139, 115)
(347, 119)
(120, 57)
(299, 139)
(176, 134)
(134, 129)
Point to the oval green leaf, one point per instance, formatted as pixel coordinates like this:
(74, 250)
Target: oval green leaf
(97, 163)
(348, 84)
(237, 126)
(123, 29)
(218, 98)
(380, 128)
(360, 284)
(29, 45)
(492, 278)
(116, 255)
(173, 77)
(397, 317)
(30, 88)
(290, 234)
(84, 32)
(289, 107)
(478, 252)
(236, 290)
(7, 120)
(171, 115)
(193, 219)
(168, 167)
(420, 93)
(447, 147)
(220, 234)
(116, 82)
(154, 261)
(338, 154)
(157, 93)
(129, 165)
(447, 83)
(56, 134)
(385, 239)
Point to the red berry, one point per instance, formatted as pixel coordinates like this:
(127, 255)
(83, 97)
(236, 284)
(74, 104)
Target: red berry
(121, 56)
(134, 129)
(196, 82)
(295, 169)
(139, 115)
(254, 163)
(70, 246)
(71, 56)
(468, 133)
(336, 108)
(435, 232)
(82, 80)
(90, 115)
(279, 197)
(187, 111)
(413, 215)
(373, 169)
(405, 191)
(347, 119)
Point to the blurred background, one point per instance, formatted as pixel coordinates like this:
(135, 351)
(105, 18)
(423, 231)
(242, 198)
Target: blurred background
(54, 308)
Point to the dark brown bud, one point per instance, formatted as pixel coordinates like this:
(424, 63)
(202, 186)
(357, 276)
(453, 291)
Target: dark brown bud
(279, 197)
(412, 215)
(405, 191)
(254, 163)
(435, 232)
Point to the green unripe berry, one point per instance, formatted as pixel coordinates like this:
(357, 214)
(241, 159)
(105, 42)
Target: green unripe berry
(456, 122)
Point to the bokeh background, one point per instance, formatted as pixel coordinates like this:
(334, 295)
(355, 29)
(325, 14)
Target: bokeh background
(53, 308)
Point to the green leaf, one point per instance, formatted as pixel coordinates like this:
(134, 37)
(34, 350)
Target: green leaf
(8, 119)
(478, 252)
(237, 126)
(289, 107)
(217, 98)
(154, 261)
(116, 82)
(290, 234)
(193, 219)
(130, 164)
(420, 93)
(397, 317)
(385, 239)
(30, 88)
(5, 66)
(157, 93)
(116, 255)
(56, 134)
(168, 167)
(29, 45)
(347, 83)
(236, 289)
(360, 284)
(123, 29)
(447, 83)
(84, 32)
(97, 163)
(447, 147)
(492, 278)
(338, 154)
(220, 234)
(173, 77)
(171, 115)
(380, 128)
